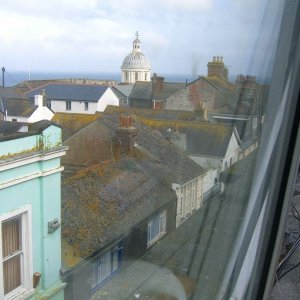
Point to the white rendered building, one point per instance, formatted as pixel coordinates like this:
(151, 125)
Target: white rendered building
(136, 66)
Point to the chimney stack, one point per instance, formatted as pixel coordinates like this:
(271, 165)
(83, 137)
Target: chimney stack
(40, 100)
(126, 135)
(217, 68)
(157, 83)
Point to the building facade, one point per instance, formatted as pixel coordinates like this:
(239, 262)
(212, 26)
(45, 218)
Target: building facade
(76, 98)
(30, 204)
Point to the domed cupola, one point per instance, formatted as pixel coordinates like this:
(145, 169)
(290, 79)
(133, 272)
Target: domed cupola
(136, 66)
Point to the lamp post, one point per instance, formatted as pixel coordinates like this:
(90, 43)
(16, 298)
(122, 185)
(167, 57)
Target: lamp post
(3, 70)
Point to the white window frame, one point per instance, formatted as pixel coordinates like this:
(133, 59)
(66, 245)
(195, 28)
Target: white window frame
(105, 266)
(27, 272)
(86, 106)
(193, 204)
(162, 227)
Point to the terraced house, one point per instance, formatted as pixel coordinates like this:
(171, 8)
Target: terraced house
(17, 107)
(119, 197)
(76, 98)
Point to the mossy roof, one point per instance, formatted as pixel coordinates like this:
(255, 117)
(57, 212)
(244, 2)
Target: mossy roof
(144, 90)
(157, 114)
(11, 92)
(202, 138)
(71, 123)
(17, 107)
(102, 202)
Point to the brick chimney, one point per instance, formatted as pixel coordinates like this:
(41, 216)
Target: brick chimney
(157, 83)
(126, 135)
(217, 68)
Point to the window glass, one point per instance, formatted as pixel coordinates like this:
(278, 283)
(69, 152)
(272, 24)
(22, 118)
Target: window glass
(68, 105)
(173, 193)
(12, 253)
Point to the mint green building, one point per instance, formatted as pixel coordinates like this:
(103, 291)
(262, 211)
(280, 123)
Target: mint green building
(30, 205)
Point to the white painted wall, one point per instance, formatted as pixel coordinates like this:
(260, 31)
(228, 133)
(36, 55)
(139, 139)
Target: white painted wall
(41, 113)
(17, 118)
(209, 179)
(76, 107)
(232, 153)
(108, 98)
(189, 199)
(207, 162)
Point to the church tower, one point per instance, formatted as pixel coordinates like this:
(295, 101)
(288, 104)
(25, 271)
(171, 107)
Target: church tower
(136, 66)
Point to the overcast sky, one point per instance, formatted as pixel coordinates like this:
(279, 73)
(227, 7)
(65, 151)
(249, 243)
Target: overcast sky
(178, 36)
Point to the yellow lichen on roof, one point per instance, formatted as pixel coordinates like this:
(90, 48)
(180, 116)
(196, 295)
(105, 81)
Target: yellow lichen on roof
(221, 82)
(95, 169)
(70, 256)
(219, 130)
(71, 123)
(74, 120)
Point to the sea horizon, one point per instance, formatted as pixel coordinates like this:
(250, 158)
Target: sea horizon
(12, 78)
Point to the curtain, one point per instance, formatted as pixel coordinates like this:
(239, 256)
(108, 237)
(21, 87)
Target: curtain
(11, 251)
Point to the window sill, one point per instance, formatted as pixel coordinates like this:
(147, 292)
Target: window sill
(21, 294)
(157, 238)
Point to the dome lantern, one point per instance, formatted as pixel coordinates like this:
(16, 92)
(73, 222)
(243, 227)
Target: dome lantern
(136, 43)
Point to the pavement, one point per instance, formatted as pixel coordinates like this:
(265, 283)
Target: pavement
(188, 263)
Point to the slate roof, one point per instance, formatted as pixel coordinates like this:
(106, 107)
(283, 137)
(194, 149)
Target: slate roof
(143, 90)
(8, 128)
(28, 85)
(74, 92)
(71, 122)
(202, 138)
(182, 168)
(15, 102)
(17, 107)
(125, 89)
(208, 141)
(102, 202)
(169, 88)
(159, 114)
(223, 85)
(14, 130)
(10, 92)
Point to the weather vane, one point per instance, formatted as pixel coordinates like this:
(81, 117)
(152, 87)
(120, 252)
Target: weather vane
(137, 34)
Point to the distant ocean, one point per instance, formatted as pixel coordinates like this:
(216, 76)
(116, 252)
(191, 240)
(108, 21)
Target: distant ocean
(14, 77)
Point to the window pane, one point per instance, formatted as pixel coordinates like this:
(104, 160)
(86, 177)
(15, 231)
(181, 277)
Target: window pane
(11, 237)
(12, 273)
